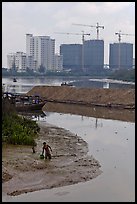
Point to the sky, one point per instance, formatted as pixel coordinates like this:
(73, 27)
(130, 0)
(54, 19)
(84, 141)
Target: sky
(49, 18)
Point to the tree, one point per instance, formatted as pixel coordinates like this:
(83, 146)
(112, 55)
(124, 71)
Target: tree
(42, 69)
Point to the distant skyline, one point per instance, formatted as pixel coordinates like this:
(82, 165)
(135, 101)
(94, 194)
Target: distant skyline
(47, 18)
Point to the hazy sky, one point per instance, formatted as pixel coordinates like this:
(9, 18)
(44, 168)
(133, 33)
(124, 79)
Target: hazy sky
(46, 18)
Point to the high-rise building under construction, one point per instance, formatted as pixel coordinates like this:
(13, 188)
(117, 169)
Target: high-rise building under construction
(121, 56)
(72, 54)
(86, 57)
(93, 55)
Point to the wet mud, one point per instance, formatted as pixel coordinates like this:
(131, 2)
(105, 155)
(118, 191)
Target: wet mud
(23, 171)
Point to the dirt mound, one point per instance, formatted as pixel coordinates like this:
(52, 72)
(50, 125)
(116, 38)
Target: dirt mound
(85, 95)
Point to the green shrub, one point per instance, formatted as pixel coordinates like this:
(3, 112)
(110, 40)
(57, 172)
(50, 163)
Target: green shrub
(18, 130)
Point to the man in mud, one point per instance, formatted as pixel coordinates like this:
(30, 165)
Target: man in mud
(47, 149)
(33, 149)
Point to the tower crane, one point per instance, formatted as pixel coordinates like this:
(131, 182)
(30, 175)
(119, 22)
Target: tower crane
(119, 35)
(83, 34)
(119, 40)
(97, 27)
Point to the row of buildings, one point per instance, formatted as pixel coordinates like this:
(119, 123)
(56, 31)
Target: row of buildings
(89, 56)
(40, 55)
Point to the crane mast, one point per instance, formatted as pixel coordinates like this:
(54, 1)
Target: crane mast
(97, 27)
(119, 35)
(83, 34)
(119, 50)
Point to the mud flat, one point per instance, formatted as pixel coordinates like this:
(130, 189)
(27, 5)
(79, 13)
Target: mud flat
(24, 171)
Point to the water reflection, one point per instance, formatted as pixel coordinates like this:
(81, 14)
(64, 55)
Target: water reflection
(98, 124)
(106, 85)
(97, 112)
(102, 83)
(25, 84)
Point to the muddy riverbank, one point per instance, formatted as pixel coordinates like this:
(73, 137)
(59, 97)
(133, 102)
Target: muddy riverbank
(24, 171)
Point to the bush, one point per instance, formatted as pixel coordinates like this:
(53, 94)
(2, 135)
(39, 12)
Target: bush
(125, 75)
(18, 130)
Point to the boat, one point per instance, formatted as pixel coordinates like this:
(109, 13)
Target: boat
(29, 103)
(28, 106)
(66, 84)
(14, 80)
(24, 103)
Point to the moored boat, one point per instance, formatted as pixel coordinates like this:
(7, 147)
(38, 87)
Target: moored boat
(29, 107)
(14, 80)
(66, 84)
(24, 102)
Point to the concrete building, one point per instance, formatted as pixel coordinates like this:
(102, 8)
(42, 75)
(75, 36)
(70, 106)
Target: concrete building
(91, 59)
(121, 56)
(11, 61)
(17, 61)
(30, 63)
(42, 51)
(58, 62)
(72, 56)
(93, 55)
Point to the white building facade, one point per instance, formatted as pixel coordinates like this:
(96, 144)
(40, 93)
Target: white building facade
(17, 61)
(41, 52)
(58, 62)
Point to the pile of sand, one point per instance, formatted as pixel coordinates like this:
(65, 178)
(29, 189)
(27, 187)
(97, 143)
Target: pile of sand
(87, 95)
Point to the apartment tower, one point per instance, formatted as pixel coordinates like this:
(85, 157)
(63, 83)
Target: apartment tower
(41, 50)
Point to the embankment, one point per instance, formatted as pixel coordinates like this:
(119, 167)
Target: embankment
(123, 98)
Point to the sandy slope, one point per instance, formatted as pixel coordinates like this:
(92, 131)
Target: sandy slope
(85, 95)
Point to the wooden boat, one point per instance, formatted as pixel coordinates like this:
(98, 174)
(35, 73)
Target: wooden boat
(24, 103)
(27, 103)
(20, 107)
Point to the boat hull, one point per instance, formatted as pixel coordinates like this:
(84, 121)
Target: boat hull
(29, 107)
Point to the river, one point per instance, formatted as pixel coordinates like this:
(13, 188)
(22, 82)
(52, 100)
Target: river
(111, 142)
(25, 84)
